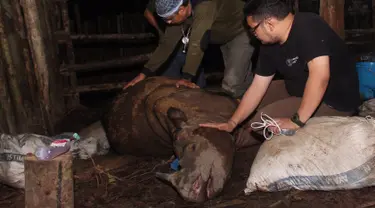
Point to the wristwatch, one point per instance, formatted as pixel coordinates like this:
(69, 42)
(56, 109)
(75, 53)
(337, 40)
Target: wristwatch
(295, 119)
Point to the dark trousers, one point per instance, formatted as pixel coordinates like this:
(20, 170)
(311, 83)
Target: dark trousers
(174, 69)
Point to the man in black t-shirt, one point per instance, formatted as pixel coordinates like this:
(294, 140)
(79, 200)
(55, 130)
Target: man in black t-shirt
(319, 75)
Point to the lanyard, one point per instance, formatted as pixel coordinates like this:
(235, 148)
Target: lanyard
(185, 38)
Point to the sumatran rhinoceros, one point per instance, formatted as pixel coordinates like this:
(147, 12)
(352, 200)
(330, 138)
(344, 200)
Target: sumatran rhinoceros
(156, 118)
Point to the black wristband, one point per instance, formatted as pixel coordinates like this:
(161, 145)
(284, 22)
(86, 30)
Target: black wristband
(295, 119)
(147, 72)
(187, 76)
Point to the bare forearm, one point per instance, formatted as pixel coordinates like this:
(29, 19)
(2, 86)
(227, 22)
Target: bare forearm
(316, 85)
(251, 98)
(151, 19)
(313, 95)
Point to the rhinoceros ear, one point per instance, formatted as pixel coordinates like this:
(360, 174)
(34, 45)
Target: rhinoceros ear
(177, 117)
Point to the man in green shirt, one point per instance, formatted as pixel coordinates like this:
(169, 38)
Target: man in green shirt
(197, 23)
(177, 60)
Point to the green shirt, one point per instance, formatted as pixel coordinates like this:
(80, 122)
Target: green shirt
(223, 18)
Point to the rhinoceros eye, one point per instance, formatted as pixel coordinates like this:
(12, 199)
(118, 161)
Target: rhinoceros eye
(192, 147)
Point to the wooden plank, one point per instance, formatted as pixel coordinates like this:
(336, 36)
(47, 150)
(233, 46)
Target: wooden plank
(360, 42)
(95, 87)
(74, 99)
(62, 37)
(125, 62)
(371, 30)
(120, 85)
(332, 11)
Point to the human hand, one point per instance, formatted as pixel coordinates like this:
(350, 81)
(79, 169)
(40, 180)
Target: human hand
(137, 79)
(186, 83)
(228, 126)
(284, 123)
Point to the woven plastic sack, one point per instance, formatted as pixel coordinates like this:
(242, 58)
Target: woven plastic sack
(329, 153)
(13, 149)
(367, 108)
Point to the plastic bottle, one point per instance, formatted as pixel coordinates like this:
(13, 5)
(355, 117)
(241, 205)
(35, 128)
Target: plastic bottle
(57, 147)
(50, 152)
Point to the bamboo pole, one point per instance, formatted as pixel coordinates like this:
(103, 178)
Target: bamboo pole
(73, 100)
(94, 66)
(332, 12)
(28, 63)
(7, 120)
(12, 69)
(44, 56)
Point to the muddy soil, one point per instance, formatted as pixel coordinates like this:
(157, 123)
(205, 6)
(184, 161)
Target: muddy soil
(127, 181)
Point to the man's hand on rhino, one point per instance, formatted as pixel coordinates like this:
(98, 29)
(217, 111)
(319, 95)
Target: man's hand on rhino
(137, 79)
(228, 127)
(186, 83)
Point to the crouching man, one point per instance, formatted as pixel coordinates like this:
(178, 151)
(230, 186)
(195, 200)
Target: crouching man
(196, 23)
(319, 75)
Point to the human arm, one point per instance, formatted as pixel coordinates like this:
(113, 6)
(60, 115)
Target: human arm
(315, 88)
(152, 21)
(160, 55)
(249, 102)
(204, 16)
(316, 85)
(164, 50)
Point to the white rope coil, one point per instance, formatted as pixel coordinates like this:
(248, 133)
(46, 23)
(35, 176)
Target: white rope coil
(267, 122)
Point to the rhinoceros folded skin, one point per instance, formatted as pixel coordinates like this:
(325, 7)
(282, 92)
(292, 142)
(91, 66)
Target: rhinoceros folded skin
(156, 118)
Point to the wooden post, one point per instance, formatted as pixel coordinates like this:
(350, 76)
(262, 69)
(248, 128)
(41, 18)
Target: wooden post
(44, 52)
(49, 183)
(18, 97)
(332, 11)
(7, 120)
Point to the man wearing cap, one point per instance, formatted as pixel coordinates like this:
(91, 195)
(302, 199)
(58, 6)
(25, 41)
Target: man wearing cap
(319, 75)
(196, 23)
(177, 59)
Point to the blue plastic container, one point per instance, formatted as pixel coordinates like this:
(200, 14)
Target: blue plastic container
(366, 76)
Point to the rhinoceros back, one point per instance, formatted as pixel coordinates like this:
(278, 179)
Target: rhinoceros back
(137, 123)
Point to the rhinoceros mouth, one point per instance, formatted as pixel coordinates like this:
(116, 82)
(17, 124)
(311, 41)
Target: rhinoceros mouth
(202, 189)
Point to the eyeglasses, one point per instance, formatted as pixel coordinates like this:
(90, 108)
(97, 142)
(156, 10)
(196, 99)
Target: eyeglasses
(252, 30)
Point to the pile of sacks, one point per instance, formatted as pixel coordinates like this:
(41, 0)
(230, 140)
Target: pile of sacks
(13, 148)
(330, 153)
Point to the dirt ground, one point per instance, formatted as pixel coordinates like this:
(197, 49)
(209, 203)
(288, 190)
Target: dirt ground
(128, 181)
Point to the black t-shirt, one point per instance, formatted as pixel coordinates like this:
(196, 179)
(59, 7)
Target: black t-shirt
(310, 37)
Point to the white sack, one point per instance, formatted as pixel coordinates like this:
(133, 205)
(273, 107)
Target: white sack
(329, 153)
(94, 142)
(13, 148)
(367, 108)
(12, 152)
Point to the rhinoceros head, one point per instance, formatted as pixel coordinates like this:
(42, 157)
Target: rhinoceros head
(205, 156)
